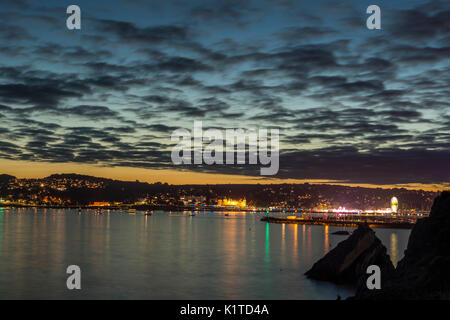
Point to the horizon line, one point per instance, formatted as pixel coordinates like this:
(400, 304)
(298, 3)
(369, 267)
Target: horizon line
(279, 181)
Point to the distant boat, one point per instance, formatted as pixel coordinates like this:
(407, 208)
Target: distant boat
(148, 213)
(192, 214)
(131, 211)
(227, 214)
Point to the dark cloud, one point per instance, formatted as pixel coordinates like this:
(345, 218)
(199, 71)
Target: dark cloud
(232, 12)
(420, 25)
(181, 64)
(34, 94)
(297, 34)
(129, 32)
(93, 112)
(14, 33)
(385, 166)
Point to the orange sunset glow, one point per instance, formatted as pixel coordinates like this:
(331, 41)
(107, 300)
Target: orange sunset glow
(25, 169)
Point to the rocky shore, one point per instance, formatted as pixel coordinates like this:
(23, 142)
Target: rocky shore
(423, 273)
(348, 261)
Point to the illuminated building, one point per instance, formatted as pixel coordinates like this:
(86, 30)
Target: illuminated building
(193, 199)
(100, 204)
(394, 204)
(233, 203)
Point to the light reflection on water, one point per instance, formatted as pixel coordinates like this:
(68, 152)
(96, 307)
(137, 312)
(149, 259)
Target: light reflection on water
(166, 255)
(393, 249)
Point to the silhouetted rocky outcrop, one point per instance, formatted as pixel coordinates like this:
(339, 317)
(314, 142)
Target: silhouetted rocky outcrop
(341, 233)
(6, 178)
(348, 262)
(424, 272)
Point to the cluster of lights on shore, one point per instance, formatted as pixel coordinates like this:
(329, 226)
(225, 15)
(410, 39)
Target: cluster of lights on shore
(233, 203)
(392, 210)
(341, 211)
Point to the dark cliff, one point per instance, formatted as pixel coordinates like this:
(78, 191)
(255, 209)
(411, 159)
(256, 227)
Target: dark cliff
(348, 262)
(424, 272)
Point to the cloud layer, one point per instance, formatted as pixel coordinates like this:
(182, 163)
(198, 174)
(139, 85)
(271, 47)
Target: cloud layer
(351, 104)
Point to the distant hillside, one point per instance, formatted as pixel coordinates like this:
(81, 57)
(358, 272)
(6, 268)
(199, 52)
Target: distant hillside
(6, 178)
(74, 176)
(84, 189)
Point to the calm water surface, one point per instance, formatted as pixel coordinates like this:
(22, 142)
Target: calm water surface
(166, 255)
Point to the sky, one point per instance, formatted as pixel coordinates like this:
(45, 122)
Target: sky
(353, 106)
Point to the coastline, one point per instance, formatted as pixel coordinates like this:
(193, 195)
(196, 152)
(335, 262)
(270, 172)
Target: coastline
(400, 224)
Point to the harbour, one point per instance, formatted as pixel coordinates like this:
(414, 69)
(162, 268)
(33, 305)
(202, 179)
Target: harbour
(168, 255)
(350, 221)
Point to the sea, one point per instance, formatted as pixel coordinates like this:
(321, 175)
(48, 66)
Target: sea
(166, 255)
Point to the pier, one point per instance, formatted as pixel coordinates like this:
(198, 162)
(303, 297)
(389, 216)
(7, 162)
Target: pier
(350, 221)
